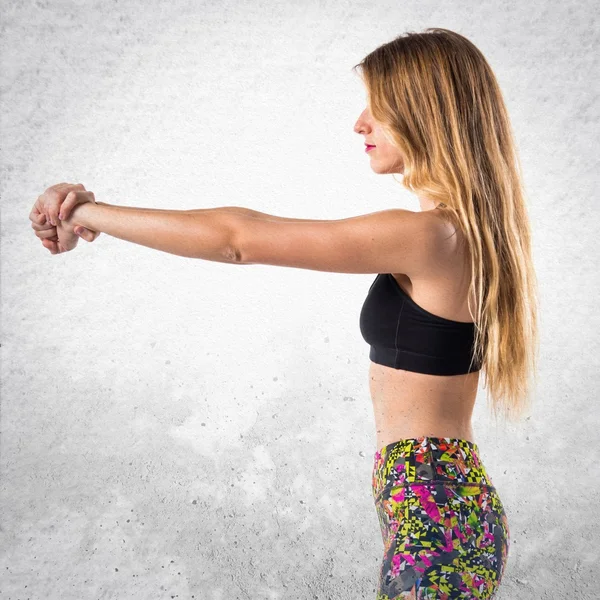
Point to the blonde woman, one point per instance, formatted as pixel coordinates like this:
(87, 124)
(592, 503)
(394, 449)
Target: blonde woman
(454, 295)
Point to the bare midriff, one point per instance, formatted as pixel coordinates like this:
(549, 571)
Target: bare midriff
(410, 405)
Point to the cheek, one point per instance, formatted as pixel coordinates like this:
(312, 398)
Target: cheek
(391, 153)
(385, 151)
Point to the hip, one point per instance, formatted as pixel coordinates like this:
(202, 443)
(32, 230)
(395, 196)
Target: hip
(428, 460)
(442, 521)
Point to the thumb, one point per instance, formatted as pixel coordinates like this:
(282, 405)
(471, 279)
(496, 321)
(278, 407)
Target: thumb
(85, 234)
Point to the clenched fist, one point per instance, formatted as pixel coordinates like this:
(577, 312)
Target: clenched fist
(52, 217)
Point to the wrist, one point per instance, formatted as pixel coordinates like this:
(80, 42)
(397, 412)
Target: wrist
(83, 214)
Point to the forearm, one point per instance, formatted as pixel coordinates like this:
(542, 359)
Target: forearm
(204, 233)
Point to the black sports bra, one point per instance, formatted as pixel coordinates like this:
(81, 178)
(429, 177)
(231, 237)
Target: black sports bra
(403, 335)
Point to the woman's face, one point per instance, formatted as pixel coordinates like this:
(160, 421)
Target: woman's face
(384, 157)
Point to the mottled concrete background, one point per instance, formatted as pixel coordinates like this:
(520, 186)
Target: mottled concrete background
(177, 428)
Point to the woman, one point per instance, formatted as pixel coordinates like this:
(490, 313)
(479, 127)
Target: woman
(455, 293)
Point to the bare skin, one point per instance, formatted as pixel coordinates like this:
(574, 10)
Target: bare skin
(405, 404)
(408, 404)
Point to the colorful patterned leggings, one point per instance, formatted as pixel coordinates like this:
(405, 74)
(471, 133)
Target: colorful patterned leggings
(444, 529)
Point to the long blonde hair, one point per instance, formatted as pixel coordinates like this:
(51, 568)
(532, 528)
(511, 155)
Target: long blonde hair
(439, 103)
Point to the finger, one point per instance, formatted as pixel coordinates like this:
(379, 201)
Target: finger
(54, 197)
(39, 219)
(68, 185)
(52, 201)
(53, 208)
(51, 245)
(63, 186)
(41, 226)
(46, 233)
(36, 215)
(68, 204)
(60, 186)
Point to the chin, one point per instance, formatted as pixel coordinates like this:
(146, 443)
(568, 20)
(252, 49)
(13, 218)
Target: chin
(382, 170)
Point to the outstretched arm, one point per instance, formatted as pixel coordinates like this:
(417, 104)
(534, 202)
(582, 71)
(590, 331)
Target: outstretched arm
(386, 241)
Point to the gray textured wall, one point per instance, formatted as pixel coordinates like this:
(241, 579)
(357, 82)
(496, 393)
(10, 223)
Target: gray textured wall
(175, 428)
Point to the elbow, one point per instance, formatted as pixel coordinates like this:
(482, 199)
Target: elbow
(230, 247)
(233, 254)
(234, 248)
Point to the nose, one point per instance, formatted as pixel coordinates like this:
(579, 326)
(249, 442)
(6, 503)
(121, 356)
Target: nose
(362, 125)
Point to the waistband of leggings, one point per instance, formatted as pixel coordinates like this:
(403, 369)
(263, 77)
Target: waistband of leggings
(428, 459)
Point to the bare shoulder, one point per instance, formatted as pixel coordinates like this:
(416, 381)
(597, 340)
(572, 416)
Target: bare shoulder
(449, 248)
(443, 223)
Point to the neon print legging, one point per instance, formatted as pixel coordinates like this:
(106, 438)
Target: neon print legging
(444, 529)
